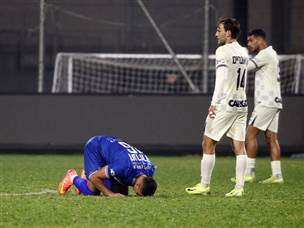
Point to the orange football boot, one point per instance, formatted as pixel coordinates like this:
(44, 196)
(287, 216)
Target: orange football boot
(66, 183)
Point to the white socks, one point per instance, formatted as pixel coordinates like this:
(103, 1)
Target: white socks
(250, 166)
(207, 164)
(240, 168)
(72, 178)
(276, 168)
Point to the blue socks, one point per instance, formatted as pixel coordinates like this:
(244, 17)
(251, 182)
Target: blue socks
(82, 186)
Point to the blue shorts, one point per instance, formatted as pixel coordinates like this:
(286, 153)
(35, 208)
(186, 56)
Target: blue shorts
(93, 160)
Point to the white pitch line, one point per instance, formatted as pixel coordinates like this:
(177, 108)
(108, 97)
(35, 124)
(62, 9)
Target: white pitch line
(42, 192)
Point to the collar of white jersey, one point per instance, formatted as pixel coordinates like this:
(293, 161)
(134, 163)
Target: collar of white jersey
(267, 48)
(233, 43)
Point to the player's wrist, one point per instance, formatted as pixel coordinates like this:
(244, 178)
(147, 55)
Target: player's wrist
(213, 104)
(110, 194)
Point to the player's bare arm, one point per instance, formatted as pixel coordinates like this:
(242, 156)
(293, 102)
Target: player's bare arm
(97, 177)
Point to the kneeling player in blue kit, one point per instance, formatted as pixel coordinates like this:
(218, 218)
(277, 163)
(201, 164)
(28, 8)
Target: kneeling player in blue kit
(111, 165)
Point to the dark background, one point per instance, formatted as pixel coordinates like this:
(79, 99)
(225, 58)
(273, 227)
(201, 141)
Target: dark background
(166, 124)
(120, 26)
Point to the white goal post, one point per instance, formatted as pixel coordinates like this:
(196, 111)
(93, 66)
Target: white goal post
(152, 74)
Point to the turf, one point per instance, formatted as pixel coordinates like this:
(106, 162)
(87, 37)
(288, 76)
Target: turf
(262, 206)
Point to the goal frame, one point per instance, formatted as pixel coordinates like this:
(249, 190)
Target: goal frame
(299, 59)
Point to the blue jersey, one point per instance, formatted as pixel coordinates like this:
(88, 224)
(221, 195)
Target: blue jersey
(124, 162)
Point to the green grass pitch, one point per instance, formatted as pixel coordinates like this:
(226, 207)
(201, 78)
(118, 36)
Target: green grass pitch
(262, 206)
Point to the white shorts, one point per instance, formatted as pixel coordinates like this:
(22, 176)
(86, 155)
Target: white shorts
(231, 123)
(265, 118)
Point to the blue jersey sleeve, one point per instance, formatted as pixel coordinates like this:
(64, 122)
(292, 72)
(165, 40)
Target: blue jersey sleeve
(116, 170)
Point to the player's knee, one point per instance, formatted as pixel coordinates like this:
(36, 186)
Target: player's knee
(149, 186)
(270, 137)
(250, 136)
(251, 133)
(208, 146)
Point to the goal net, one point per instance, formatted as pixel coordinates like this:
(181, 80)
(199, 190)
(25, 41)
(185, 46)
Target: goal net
(152, 74)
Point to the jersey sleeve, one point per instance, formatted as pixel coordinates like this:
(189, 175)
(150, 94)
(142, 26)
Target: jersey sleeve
(115, 170)
(221, 70)
(220, 59)
(220, 78)
(251, 65)
(260, 59)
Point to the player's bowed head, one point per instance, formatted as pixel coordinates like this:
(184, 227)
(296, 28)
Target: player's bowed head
(145, 186)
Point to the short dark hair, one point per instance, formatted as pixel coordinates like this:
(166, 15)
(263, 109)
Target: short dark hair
(258, 33)
(149, 186)
(230, 24)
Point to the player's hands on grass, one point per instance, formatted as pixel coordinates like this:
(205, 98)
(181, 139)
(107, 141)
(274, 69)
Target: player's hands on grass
(116, 195)
(211, 111)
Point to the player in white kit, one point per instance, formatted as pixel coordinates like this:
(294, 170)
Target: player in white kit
(268, 103)
(228, 109)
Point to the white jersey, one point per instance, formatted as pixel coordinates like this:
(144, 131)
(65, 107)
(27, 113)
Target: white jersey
(267, 90)
(229, 94)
